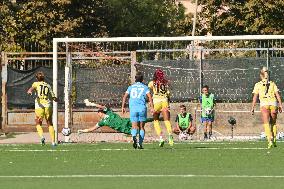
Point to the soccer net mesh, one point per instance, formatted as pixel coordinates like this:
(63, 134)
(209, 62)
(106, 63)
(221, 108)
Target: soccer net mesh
(103, 68)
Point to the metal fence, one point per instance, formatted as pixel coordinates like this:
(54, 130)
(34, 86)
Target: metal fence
(231, 79)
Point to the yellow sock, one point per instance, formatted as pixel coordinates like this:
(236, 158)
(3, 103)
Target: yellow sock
(274, 129)
(267, 131)
(157, 127)
(39, 131)
(52, 133)
(168, 126)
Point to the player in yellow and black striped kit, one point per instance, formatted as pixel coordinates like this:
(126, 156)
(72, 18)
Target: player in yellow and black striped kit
(43, 106)
(159, 86)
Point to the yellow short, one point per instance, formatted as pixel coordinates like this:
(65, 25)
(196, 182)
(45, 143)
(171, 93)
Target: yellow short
(270, 107)
(159, 106)
(45, 112)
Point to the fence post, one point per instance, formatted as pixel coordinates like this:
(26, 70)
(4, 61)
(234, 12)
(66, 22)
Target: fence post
(4, 76)
(200, 86)
(267, 61)
(133, 68)
(201, 71)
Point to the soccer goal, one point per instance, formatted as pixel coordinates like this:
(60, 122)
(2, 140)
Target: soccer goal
(100, 69)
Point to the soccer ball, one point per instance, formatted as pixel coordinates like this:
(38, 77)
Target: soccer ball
(66, 131)
(262, 136)
(280, 136)
(208, 111)
(183, 135)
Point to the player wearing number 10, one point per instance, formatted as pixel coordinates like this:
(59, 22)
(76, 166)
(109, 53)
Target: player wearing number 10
(138, 93)
(43, 106)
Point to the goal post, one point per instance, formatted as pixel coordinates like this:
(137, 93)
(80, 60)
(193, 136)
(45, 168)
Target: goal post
(169, 52)
(55, 87)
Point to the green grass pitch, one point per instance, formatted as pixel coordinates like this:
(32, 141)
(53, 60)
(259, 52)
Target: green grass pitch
(116, 165)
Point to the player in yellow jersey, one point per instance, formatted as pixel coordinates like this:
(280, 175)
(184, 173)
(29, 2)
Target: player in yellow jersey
(161, 94)
(43, 106)
(270, 105)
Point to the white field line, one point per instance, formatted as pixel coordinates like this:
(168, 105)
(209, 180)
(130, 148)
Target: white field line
(141, 176)
(178, 143)
(121, 149)
(211, 142)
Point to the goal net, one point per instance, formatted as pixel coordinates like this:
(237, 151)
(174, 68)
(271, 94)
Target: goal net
(101, 69)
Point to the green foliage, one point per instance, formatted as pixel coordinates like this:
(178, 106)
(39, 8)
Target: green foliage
(39, 21)
(239, 17)
(35, 22)
(146, 18)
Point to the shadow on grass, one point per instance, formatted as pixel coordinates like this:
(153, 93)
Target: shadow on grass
(4, 136)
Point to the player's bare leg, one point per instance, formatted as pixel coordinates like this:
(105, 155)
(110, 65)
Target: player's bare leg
(134, 131)
(51, 130)
(205, 130)
(157, 127)
(166, 116)
(191, 131)
(38, 121)
(273, 118)
(141, 135)
(265, 115)
(210, 129)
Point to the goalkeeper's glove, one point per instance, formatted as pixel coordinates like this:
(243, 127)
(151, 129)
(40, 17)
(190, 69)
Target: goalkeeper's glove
(80, 131)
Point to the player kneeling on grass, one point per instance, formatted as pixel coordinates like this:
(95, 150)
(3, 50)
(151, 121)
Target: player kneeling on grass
(268, 95)
(184, 123)
(108, 118)
(43, 106)
(138, 93)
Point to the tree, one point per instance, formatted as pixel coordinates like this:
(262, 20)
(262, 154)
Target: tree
(240, 17)
(36, 22)
(8, 29)
(146, 18)
(39, 21)
(92, 14)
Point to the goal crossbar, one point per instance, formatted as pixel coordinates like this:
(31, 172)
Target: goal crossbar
(140, 39)
(182, 38)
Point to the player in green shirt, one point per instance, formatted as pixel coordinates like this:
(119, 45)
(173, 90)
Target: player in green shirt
(110, 119)
(208, 103)
(184, 122)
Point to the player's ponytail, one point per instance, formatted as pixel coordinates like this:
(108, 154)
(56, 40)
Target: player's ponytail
(159, 77)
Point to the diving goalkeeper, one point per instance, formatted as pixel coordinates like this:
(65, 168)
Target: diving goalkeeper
(110, 119)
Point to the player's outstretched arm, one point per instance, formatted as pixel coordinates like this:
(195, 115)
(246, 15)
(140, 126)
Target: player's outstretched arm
(30, 91)
(150, 102)
(54, 98)
(89, 129)
(254, 99)
(177, 127)
(280, 109)
(88, 103)
(123, 102)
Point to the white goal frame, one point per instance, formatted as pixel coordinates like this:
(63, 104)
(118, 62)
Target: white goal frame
(137, 39)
